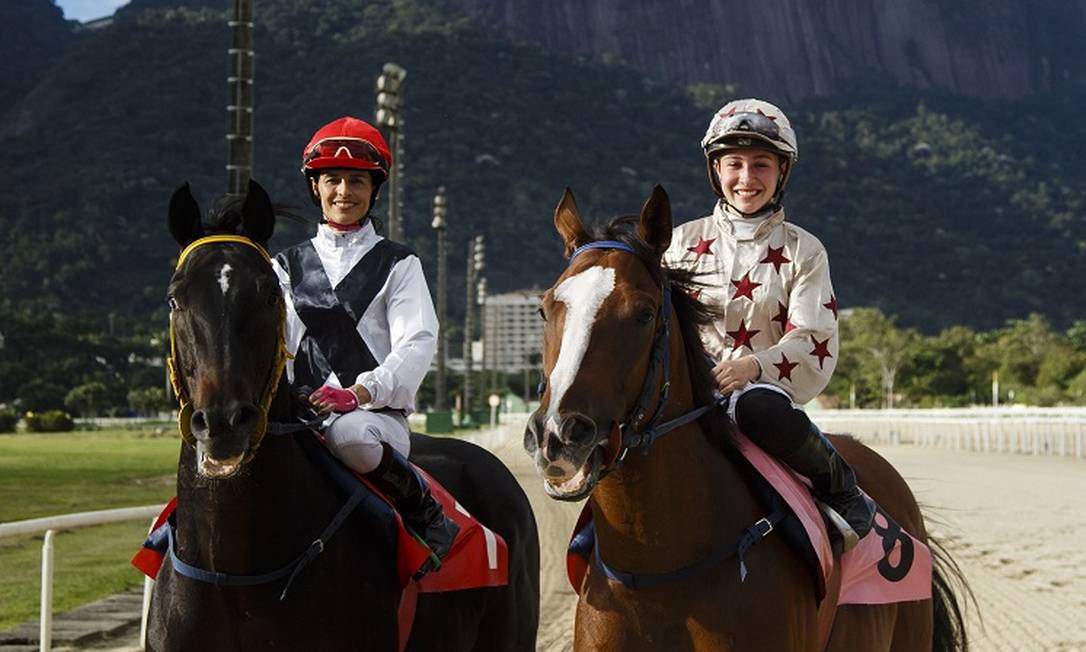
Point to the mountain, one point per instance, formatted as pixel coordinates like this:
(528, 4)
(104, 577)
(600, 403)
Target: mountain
(794, 49)
(935, 207)
(33, 36)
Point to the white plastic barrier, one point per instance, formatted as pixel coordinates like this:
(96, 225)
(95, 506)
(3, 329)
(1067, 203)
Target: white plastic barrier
(1029, 431)
(49, 525)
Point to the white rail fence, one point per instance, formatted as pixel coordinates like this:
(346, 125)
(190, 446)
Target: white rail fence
(49, 525)
(1029, 431)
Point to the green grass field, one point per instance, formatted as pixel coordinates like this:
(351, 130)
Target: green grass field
(48, 474)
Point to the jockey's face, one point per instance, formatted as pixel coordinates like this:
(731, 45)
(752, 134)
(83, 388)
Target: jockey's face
(748, 178)
(345, 194)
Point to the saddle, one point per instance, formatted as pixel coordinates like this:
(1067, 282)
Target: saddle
(888, 565)
(479, 557)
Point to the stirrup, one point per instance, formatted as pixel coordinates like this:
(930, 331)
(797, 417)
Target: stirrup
(847, 537)
(433, 562)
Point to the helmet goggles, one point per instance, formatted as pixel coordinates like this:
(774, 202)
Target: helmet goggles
(741, 129)
(344, 152)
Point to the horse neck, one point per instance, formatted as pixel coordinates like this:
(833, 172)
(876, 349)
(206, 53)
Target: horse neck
(259, 519)
(669, 506)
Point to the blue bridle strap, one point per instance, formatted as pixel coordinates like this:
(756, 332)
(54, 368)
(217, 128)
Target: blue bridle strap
(602, 244)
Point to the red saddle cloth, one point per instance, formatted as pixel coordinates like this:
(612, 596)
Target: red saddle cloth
(478, 558)
(888, 565)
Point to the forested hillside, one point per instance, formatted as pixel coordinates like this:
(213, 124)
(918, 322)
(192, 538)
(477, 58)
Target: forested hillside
(937, 209)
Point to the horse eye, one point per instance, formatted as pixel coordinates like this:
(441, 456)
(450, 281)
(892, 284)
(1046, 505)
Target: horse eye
(645, 316)
(273, 298)
(173, 303)
(542, 315)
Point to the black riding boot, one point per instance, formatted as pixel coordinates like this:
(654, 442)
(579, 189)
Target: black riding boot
(421, 513)
(847, 508)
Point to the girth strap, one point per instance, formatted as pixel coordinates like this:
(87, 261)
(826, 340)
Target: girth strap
(750, 536)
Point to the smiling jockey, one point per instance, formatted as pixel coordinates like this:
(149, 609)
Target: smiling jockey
(777, 344)
(361, 324)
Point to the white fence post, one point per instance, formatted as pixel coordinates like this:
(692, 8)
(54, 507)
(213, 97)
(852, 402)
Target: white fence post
(49, 525)
(45, 622)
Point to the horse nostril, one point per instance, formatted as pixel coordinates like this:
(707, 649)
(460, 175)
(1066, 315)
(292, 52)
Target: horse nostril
(243, 417)
(198, 424)
(532, 433)
(579, 430)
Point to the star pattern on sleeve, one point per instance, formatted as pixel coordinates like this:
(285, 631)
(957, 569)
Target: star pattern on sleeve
(742, 336)
(745, 287)
(785, 367)
(782, 316)
(821, 350)
(702, 248)
(831, 305)
(776, 258)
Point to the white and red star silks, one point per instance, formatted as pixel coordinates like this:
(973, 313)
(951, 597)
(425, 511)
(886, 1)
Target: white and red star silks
(777, 296)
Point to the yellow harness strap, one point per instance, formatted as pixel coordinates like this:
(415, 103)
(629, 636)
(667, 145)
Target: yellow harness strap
(184, 415)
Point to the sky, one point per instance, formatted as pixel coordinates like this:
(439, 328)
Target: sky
(84, 10)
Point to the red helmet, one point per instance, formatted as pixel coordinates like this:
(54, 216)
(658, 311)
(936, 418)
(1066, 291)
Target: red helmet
(348, 143)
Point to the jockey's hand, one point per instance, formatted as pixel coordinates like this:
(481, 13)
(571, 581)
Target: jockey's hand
(736, 374)
(333, 399)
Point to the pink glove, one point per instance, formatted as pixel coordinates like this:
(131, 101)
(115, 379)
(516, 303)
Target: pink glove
(334, 399)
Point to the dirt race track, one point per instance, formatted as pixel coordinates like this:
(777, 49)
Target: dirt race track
(1016, 524)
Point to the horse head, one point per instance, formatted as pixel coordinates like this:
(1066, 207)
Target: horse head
(606, 321)
(226, 324)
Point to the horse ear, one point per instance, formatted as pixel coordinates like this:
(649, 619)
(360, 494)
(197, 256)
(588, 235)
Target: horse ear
(257, 214)
(184, 217)
(567, 220)
(655, 226)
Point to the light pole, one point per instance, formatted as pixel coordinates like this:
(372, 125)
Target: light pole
(476, 263)
(239, 123)
(389, 101)
(439, 225)
(480, 300)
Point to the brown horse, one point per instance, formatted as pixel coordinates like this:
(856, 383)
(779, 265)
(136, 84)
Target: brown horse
(618, 376)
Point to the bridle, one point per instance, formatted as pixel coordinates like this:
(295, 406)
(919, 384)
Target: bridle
(184, 425)
(631, 434)
(634, 431)
(184, 414)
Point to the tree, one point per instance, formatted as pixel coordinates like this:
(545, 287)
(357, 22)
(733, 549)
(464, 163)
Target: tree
(88, 399)
(873, 339)
(148, 401)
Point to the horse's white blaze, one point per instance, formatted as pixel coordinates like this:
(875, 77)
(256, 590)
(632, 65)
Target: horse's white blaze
(583, 295)
(224, 278)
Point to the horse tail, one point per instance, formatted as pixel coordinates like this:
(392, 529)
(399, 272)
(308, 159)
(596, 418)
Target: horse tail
(950, 595)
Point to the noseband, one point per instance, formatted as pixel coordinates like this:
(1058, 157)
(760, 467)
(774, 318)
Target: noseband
(184, 414)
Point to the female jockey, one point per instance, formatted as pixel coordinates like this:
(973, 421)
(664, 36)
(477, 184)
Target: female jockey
(361, 324)
(777, 343)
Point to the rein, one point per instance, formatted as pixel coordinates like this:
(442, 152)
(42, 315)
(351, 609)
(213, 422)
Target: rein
(627, 436)
(184, 414)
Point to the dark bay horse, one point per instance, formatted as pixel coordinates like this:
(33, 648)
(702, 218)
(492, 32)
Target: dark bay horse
(249, 504)
(613, 371)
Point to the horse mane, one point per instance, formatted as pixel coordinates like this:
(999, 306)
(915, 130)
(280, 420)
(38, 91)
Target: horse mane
(691, 314)
(224, 216)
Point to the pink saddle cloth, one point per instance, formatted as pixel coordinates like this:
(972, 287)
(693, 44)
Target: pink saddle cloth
(888, 565)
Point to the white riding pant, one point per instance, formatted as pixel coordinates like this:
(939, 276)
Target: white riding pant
(355, 437)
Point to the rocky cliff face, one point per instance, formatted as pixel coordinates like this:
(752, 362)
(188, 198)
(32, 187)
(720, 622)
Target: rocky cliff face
(790, 49)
